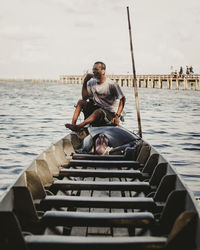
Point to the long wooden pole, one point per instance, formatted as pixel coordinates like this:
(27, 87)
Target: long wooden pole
(134, 77)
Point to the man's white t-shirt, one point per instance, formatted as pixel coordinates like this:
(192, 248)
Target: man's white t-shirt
(105, 95)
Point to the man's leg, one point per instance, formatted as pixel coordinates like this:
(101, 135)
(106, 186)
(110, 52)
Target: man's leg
(93, 117)
(79, 107)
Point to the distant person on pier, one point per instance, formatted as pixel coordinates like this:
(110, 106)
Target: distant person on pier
(175, 74)
(99, 100)
(191, 70)
(181, 71)
(187, 71)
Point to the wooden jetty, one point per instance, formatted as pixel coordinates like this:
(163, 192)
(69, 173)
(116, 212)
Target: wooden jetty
(184, 82)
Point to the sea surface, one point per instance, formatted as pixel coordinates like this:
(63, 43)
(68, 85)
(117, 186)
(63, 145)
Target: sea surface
(32, 117)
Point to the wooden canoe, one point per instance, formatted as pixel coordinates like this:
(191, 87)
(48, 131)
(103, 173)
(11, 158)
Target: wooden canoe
(72, 198)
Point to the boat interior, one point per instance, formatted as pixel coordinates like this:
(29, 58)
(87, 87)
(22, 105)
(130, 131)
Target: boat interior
(70, 197)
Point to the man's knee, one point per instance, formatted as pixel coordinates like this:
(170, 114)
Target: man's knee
(82, 103)
(98, 112)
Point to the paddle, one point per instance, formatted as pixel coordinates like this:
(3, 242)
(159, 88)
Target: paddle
(134, 77)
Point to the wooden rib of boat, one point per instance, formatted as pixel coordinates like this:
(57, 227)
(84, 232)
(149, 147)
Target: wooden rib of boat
(72, 198)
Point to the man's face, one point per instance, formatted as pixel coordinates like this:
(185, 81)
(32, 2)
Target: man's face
(98, 71)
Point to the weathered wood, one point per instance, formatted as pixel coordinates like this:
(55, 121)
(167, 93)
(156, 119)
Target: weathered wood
(97, 202)
(107, 164)
(103, 173)
(97, 157)
(92, 185)
(94, 219)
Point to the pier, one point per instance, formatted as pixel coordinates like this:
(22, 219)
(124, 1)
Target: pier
(184, 82)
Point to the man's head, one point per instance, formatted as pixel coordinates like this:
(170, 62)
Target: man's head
(99, 69)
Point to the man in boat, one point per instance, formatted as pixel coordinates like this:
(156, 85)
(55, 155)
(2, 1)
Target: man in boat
(99, 100)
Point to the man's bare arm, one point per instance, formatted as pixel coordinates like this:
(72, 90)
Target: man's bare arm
(121, 105)
(84, 87)
(122, 101)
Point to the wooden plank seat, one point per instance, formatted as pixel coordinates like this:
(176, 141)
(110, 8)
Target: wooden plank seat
(98, 157)
(105, 185)
(97, 202)
(90, 243)
(137, 186)
(103, 173)
(94, 219)
(154, 177)
(104, 163)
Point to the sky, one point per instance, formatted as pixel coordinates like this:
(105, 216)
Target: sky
(49, 38)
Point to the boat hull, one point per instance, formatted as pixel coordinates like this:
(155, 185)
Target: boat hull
(72, 197)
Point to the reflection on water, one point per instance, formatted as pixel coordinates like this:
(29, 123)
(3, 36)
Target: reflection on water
(32, 117)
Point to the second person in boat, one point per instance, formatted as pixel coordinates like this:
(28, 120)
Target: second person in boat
(99, 100)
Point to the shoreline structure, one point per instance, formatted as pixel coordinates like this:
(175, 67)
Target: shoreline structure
(170, 81)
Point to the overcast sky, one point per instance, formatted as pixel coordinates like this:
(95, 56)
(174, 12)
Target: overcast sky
(48, 38)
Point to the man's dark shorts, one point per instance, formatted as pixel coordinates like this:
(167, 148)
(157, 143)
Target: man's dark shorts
(106, 115)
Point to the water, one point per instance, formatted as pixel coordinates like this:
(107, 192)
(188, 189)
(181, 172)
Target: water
(32, 117)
